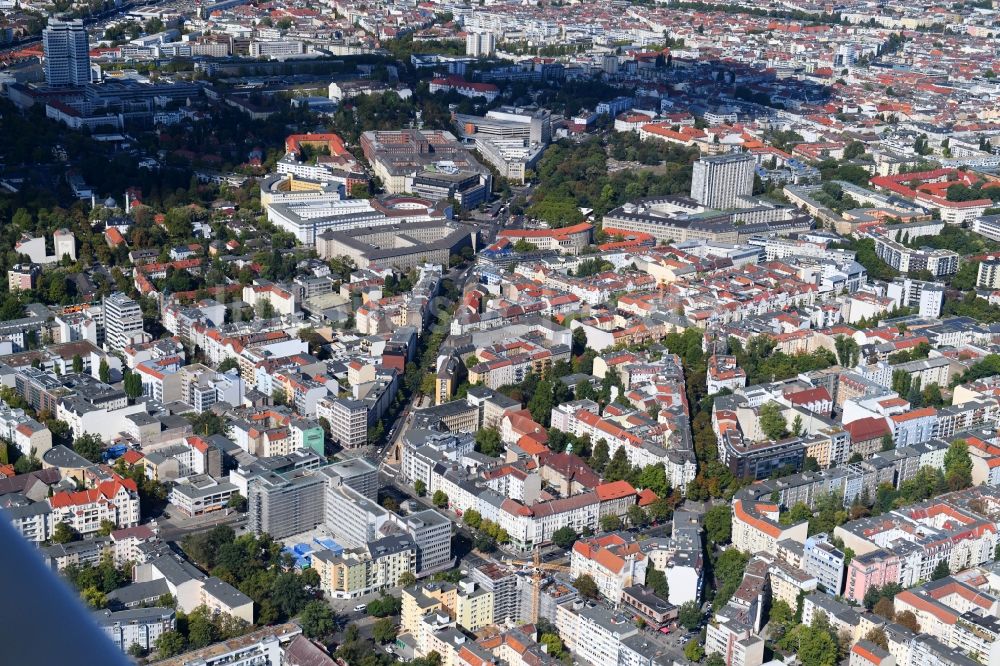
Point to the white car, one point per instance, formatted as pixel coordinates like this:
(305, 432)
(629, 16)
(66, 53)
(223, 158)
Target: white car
(360, 608)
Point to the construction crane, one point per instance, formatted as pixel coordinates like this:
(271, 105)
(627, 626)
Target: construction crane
(536, 578)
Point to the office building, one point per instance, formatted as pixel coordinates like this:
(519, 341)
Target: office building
(398, 157)
(720, 181)
(283, 504)
(432, 533)
(122, 321)
(352, 518)
(67, 55)
(348, 422)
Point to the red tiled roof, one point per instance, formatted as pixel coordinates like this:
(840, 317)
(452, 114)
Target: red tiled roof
(866, 429)
(614, 490)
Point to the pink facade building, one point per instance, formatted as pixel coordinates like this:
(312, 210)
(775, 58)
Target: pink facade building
(873, 569)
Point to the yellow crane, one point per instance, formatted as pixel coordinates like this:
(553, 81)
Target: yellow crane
(538, 567)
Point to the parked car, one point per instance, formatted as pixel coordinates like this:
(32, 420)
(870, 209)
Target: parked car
(360, 608)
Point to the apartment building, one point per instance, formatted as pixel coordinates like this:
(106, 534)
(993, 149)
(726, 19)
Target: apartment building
(825, 562)
(373, 568)
(723, 373)
(756, 527)
(729, 636)
(139, 626)
(923, 535)
(508, 363)
(116, 500)
(905, 259)
(614, 561)
(592, 632)
(122, 322)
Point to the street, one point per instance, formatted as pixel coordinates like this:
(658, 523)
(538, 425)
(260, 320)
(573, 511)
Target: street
(174, 527)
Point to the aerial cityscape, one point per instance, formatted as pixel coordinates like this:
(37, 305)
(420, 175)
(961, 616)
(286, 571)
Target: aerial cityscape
(551, 333)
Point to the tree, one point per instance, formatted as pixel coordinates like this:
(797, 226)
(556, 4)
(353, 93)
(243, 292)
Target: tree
(599, 458)
(104, 371)
(107, 527)
(89, 446)
(440, 499)
(553, 644)
(132, 385)
(579, 344)
(484, 543)
(847, 351)
(660, 510)
(908, 620)
(488, 442)
(420, 488)
(729, 570)
(26, 464)
(384, 631)
(93, 597)
(781, 619)
(958, 465)
(689, 615)
(719, 524)
(228, 363)
(472, 518)
(77, 363)
(586, 587)
(208, 423)
(817, 647)
(610, 523)
(564, 537)
(385, 606)
(169, 643)
(636, 516)
(237, 502)
(772, 421)
(619, 468)
(885, 608)
(942, 570)
(288, 595)
(64, 533)
(317, 619)
(799, 512)
(201, 632)
(136, 651)
(656, 580)
(407, 579)
(693, 650)
(878, 637)
(654, 477)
